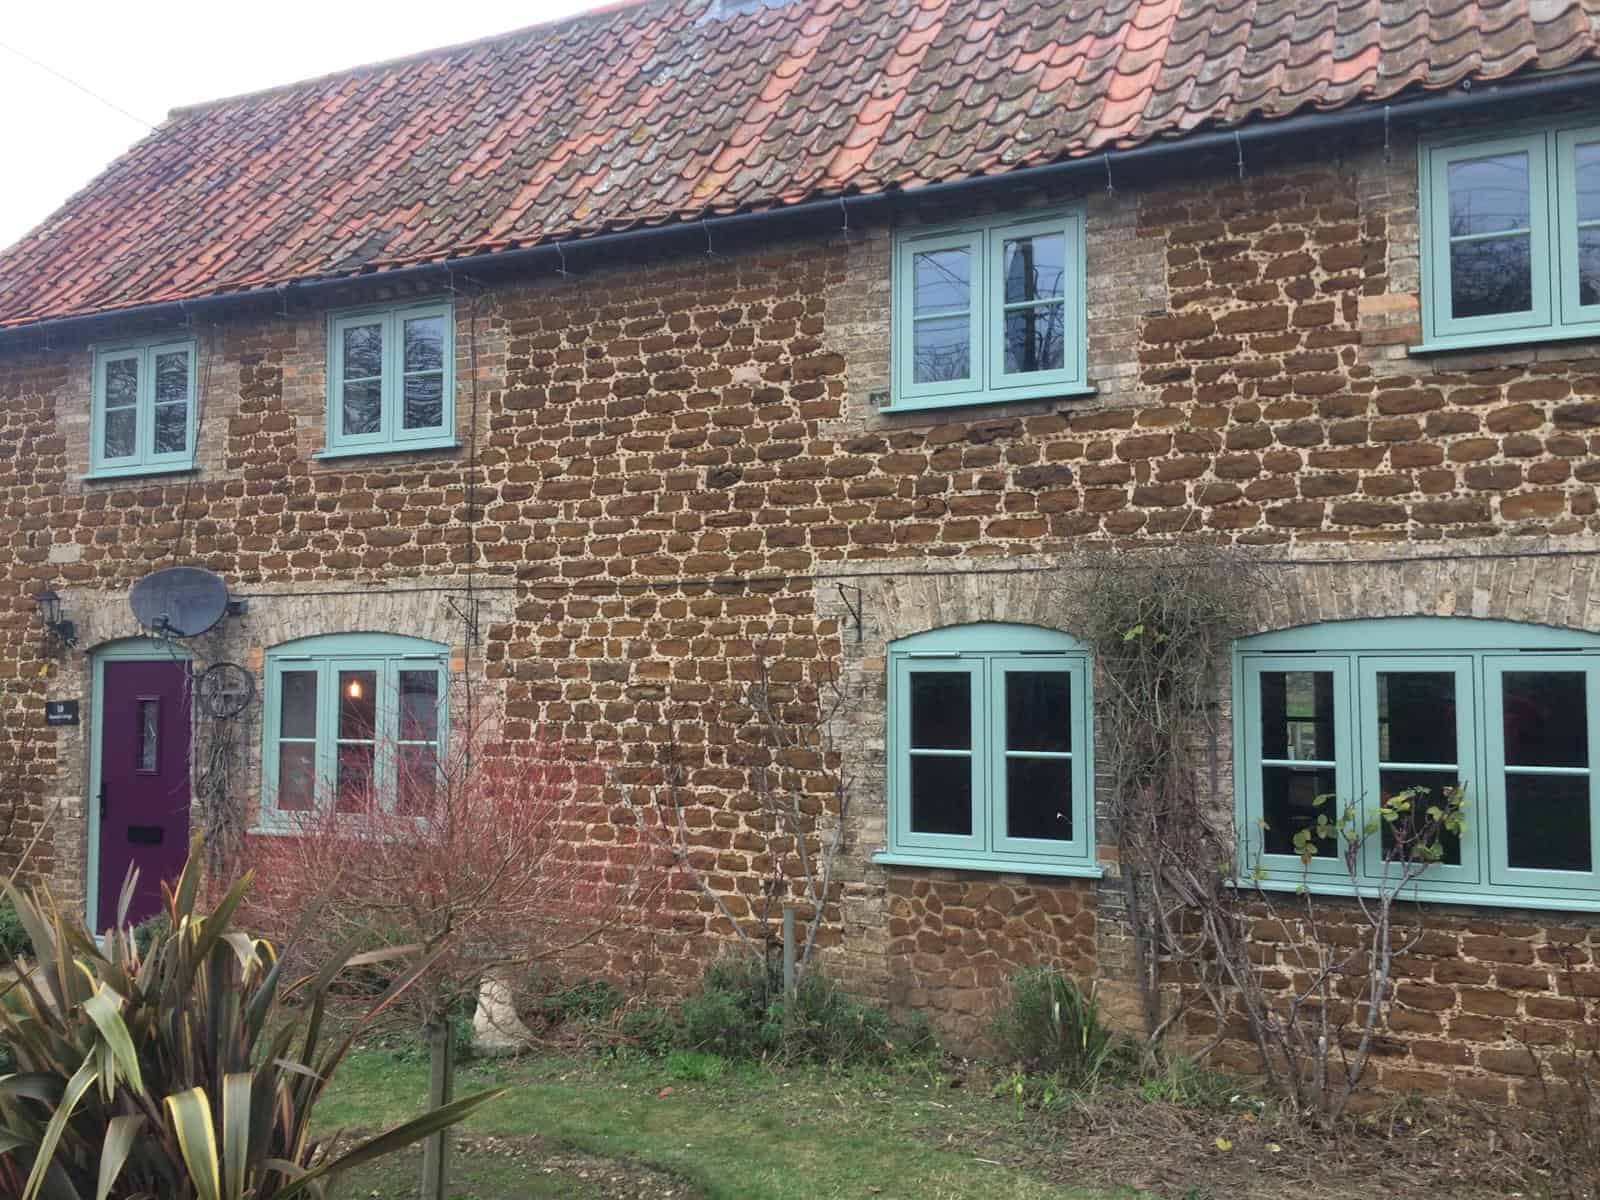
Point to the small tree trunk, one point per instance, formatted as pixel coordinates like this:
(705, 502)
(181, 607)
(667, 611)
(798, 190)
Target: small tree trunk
(441, 1079)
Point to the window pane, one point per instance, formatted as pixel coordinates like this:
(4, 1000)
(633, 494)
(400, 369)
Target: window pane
(172, 428)
(1586, 162)
(1035, 267)
(1038, 711)
(122, 382)
(941, 349)
(297, 776)
(419, 706)
(1039, 798)
(172, 377)
(1589, 266)
(1429, 788)
(941, 710)
(1417, 716)
(424, 402)
(149, 733)
(1286, 805)
(1489, 195)
(297, 711)
(1547, 822)
(1297, 715)
(1546, 718)
(358, 704)
(122, 430)
(1034, 339)
(354, 786)
(942, 280)
(941, 795)
(363, 351)
(418, 781)
(1491, 276)
(363, 407)
(424, 342)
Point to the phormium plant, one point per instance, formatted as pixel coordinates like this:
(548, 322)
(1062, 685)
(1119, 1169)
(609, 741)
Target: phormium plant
(171, 1069)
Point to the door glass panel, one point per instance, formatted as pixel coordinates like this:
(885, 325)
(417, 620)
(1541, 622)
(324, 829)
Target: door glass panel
(1297, 716)
(149, 734)
(1039, 798)
(941, 710)
(1546, 718)
(297, 710)
(941, 794)
(297, 776)
(1288, 805)
(358, 705)
(1547, 822)
(1038, 711)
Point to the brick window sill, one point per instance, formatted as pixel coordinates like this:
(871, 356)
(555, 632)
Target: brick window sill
(991, 866)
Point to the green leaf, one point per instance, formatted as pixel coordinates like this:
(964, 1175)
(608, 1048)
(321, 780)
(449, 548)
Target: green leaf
(236, 1132)
(197, 1139)
(105, 1010)
(1136, 631)
(120, 1135)
(76, 1087)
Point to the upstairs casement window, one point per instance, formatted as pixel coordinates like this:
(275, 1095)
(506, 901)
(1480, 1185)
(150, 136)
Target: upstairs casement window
(391, 379)
(1511, 238)
(1358, 711)
(354, 722)
(143, 410)
(989, 311)
(990, 750)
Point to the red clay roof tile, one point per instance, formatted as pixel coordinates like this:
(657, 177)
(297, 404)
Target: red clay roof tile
(646, 113)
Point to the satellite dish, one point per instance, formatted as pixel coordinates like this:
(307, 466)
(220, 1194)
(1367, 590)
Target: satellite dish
(179, 601)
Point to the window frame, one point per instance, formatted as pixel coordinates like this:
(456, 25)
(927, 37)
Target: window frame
(988, 382)
(144, 460)
(391, 436)
(986, 652)
(1555, 316)
(328, 655)
(1477, 651)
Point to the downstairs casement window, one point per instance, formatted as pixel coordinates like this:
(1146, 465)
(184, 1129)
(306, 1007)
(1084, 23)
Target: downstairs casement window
(990, 751)
(1358, 711)
(988, 311)
(391, 379)
(354, 723)
(143, 409)
(1511, 237)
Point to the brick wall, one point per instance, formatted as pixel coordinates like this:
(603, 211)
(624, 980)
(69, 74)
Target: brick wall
(670, 467)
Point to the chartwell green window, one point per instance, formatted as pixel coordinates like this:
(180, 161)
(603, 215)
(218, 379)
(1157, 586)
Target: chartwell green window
(353, 722)
(990, 750)
(988, 311)
(1511, 237)
(1360, 710)
(143, 408)
(391, 379)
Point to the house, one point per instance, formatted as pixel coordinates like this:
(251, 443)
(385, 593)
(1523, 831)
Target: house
(586, 363)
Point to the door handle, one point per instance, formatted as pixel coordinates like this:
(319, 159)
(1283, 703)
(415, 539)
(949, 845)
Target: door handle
(102, 802)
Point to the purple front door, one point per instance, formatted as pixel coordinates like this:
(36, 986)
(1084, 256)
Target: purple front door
(144, 782)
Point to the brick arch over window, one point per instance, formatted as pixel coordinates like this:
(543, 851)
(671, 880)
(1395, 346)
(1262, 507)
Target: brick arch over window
(1561, 591)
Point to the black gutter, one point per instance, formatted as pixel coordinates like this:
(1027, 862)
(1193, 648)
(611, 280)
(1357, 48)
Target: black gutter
(1461, 101)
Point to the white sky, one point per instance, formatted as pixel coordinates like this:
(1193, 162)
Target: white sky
(147, 58)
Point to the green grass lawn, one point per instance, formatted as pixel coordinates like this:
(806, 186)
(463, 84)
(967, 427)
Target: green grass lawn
(731, 1132)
